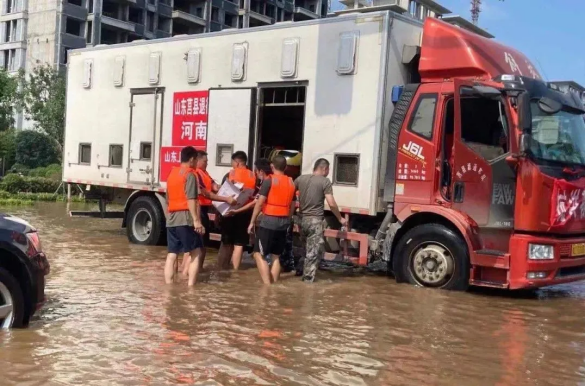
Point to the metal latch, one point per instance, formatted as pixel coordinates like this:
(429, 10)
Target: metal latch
(146, 170)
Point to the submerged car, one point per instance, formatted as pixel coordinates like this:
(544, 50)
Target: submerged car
(23, 267)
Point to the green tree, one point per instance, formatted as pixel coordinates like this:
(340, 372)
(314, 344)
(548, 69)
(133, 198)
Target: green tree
(8, 98)
(7, 148)
(35, 149)
(42, 97)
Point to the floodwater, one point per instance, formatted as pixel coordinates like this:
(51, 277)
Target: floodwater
(110, 319)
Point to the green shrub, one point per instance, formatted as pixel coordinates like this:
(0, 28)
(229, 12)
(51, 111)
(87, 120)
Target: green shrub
(14, 184)
(35, 149)
(19, 168)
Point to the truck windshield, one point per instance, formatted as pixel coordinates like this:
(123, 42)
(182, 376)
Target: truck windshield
(558, 138)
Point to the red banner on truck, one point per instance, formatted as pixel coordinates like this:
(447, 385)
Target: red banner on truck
(190, 118)
(170, 156)
(567, 203)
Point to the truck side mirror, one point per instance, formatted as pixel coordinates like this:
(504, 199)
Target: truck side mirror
(524, 113)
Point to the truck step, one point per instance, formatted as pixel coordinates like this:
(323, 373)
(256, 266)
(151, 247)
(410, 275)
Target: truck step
(98, 214)
(488, 284)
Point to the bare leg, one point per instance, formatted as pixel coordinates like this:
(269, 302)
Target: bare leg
(263, 268)
(185, 264)
(202, 258)
(223, 256)
(170, 268)
(237, 256)
(275, 270)
(194, 266)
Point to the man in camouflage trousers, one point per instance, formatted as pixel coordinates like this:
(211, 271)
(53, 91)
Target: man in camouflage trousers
(314, 189)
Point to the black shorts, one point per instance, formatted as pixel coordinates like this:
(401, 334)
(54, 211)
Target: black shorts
(205, 222)
(234, 229)
(183, 239)
(269, 241)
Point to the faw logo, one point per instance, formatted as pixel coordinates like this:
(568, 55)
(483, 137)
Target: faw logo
(413, 150)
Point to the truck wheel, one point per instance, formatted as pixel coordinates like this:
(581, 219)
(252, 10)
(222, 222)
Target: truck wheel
(11, 302)
(432, 255)
(145, 224)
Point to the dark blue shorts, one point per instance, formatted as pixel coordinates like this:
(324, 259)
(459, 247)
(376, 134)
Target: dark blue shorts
(183, 239)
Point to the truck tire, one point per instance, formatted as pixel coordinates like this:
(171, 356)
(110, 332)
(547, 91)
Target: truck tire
(432, 255)
(12, 304)
(145, 223)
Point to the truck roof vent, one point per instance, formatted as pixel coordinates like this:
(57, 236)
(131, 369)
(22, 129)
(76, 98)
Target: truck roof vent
(347, 53)
(154, 68)
(193, 65)
(119, 64)
(290, 50)
(239, 61)
(87, 73)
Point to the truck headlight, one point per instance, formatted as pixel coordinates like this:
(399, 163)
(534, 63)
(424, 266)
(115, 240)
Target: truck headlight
(539, 252)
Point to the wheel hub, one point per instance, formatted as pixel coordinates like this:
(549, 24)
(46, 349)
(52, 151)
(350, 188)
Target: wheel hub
(432, 265)
(142, 225)
(6, 307)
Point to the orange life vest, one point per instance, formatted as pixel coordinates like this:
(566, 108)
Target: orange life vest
(280, 197)
(207, 184)
(176, 196)
(244, 176)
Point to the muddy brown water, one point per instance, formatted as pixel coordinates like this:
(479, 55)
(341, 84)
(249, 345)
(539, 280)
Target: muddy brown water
(109, 319)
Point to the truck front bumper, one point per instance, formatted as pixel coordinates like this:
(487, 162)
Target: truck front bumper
(563, 268)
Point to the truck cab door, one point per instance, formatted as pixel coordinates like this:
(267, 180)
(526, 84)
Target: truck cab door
(483, 184)
(231, 118)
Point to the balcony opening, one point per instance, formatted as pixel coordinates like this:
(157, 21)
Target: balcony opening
(199, 12)
(74, 27)
(11, 6)
(182, 5)
(240, 22)
(108, 36)
(164, 24)
(215, 14)
(136, 15)
(90, 6)
(255, 6)
(242, 4)
(287, 16)
(150, 21)
(230, 21)
(89, 33)
(271, 11)
(110, 10)
(65, 56)
(79, 3)
(184, 29)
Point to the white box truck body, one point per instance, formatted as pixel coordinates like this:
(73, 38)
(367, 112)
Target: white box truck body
(321, 87)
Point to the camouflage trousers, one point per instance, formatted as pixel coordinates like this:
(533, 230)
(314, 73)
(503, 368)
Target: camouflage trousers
(287, 258)
(313, 242)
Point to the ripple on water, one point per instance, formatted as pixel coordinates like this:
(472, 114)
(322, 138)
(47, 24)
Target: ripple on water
(109, 319)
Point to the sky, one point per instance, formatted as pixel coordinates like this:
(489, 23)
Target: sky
(551, 33)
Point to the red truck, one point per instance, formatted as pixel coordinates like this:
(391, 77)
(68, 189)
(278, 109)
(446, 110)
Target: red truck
(455, 163)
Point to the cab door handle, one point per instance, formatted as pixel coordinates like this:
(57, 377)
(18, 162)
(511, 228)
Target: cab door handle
(458, 192)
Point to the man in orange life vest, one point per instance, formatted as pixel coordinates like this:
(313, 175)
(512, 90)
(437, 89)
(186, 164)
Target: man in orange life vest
(234, 228)
(276, 201)
(184, 228)
(207, 194)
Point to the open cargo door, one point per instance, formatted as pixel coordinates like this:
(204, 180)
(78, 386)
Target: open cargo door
(231, 117)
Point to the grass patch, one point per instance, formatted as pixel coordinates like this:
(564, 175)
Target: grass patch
(28, 198)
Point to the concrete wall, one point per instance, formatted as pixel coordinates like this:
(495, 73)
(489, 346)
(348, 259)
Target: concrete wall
(42, 34)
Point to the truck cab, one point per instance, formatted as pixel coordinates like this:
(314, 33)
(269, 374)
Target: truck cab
(487, 178)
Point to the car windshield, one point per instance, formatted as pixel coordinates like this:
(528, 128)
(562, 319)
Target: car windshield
(558, 137)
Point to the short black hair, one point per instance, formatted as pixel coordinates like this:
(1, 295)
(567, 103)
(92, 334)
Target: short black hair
(187, 153)
(279, 163)
(240, 156)
(201, 153)
(321, 163)
(263, 165)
